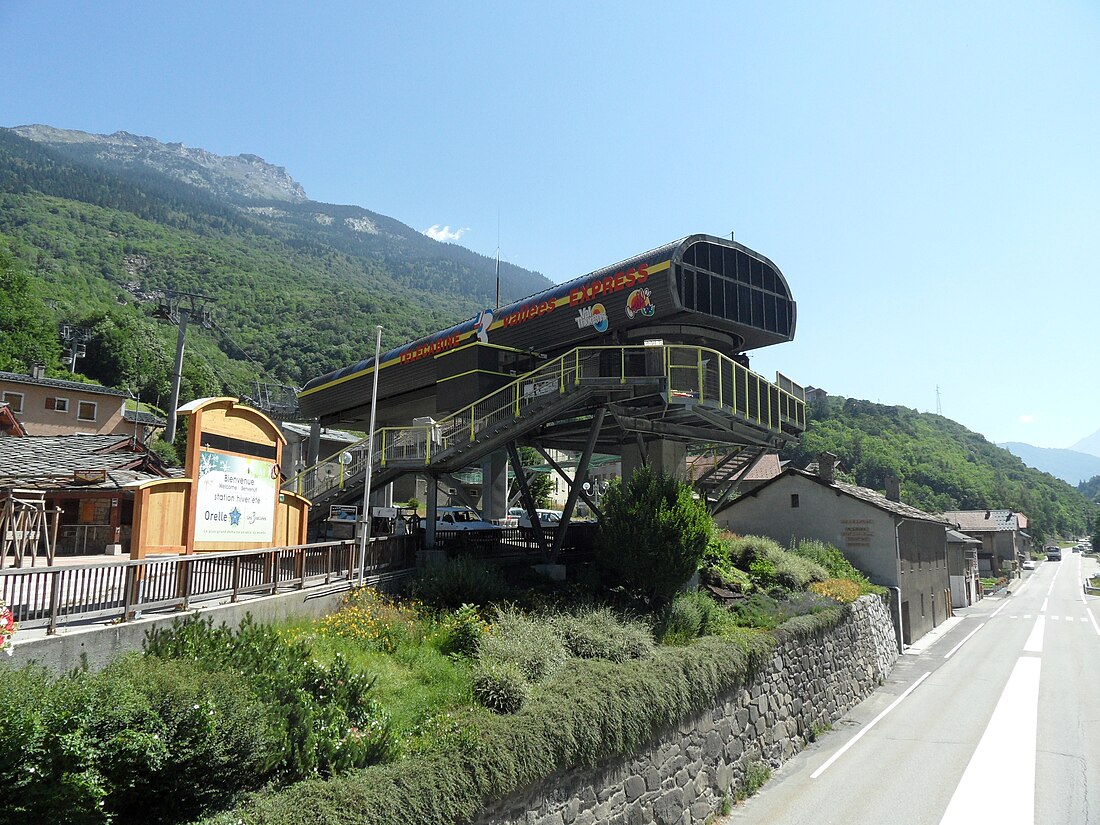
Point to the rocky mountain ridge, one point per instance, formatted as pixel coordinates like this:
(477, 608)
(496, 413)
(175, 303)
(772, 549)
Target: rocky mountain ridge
(242, 177)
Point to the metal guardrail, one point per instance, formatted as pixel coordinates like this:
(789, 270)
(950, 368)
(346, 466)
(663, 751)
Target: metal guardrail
(50, 596)
(691, 375)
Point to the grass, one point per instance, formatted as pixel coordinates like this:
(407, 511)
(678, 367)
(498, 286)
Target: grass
(756, 774)
(416, 683)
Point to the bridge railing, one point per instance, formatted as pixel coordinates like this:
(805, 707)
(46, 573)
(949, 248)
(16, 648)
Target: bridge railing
(690, 375)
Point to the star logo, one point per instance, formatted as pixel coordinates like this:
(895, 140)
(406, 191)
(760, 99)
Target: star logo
(234, 517)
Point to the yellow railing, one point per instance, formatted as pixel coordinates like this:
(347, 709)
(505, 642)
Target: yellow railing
(690, 375)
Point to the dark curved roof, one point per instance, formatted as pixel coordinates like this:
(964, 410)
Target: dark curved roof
(673, 251)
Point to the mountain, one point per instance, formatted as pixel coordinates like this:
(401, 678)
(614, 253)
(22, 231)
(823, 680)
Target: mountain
(1069, 465)
(243, 177)
(100, 232)
(1089, 444)
(942, 465)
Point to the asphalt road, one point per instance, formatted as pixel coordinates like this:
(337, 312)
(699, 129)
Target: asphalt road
(995, 719)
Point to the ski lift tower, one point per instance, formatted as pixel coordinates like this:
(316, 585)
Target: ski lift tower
(178, 308)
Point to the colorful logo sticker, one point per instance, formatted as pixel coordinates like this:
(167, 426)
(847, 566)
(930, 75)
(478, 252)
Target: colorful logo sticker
(594, 316)
(484, 321)
(639, 303)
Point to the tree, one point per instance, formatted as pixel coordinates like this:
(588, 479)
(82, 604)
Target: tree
(540, 484)
(27, 332)
(653, 535)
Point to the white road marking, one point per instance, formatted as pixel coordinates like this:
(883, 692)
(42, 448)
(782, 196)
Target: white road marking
(1091, 619)
(1007, 748)
(1034, 643)
(867, 727)
(951, 652)
(1043, 609)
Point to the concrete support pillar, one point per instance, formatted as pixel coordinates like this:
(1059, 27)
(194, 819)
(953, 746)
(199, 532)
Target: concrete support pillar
(668, 457)
(494, 485)
(314, 442)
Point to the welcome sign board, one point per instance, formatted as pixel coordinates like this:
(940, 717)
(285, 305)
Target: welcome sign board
(236, 497)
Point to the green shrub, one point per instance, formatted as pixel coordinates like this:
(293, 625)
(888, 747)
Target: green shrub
(756, 774)
(500, 687)
(719, 568)
(579, 717)
(143, 741)
(597, 633)
(795, 572)
(462, 631)
(458, 581)
(529, 643)
(835, 564)
(47, 759)
(683, 621)
(744, 550)
(175, 741)
(770, 566)
(325, 717)
(652, 536)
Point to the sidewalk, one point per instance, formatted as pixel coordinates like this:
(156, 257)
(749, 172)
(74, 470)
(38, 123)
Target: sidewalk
(932, 636)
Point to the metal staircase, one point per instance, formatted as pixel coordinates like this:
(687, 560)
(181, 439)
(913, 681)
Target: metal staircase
(718, 476)
(681, 392)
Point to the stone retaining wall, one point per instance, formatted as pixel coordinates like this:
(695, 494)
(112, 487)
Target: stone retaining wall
(687, 772)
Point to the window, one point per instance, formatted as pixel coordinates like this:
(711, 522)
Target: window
(794, 499)
(85, 411)
(15, 401)
(57, 404)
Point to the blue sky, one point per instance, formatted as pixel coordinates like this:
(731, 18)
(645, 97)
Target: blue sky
(927, 176)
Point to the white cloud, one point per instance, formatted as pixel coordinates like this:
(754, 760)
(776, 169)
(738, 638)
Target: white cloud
(1027, 419)
(444, 234)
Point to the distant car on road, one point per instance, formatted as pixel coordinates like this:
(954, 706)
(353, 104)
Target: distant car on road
(1030, 564)
(1054, 553)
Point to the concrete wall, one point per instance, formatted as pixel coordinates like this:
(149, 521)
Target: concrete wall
(97, 646)
(685, 773)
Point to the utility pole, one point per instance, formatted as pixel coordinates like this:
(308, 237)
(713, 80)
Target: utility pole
(178, 308)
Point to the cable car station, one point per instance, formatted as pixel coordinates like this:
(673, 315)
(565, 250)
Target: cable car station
(644, 359)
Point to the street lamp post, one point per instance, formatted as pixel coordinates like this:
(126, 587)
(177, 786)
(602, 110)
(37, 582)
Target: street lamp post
(364, 534)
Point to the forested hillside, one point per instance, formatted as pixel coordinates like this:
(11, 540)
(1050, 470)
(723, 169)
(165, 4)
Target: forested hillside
(295, 288)
(942, 465)
(1090, 489)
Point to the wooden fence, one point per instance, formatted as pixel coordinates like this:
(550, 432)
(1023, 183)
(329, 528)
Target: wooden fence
(50, 596)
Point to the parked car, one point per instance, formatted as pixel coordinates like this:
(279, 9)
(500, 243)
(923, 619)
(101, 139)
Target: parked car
(464, 519)
(1030, 564)
(549, 519)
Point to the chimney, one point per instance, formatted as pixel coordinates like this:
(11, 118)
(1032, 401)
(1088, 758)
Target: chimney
(893, 488)
(826, 464)
(38, 371)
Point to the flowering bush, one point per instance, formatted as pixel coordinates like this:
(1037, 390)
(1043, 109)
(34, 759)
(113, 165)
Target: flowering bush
(373, 619)
(7, 628)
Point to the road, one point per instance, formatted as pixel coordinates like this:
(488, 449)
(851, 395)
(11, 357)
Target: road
(995, 721)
